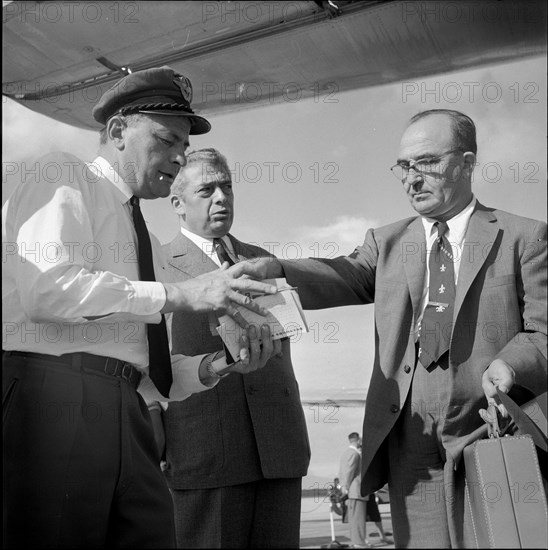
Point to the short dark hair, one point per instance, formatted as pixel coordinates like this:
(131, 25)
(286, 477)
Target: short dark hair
(464, 129)
(354, 435)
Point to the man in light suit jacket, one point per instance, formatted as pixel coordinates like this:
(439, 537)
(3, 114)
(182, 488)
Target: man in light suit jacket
(234, 458)
(361, 509)
(349, 475)
(419, 415)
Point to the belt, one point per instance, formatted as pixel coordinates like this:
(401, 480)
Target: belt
(87, 361)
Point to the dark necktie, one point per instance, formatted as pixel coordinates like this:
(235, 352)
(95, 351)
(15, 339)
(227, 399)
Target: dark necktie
(222, 252)
(437, 321)
(159, 358)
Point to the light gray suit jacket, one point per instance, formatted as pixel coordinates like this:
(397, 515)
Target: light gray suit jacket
(500, 312)
(249, 426)
(350, 473)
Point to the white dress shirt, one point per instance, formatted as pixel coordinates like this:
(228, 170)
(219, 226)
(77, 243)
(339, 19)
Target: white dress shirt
(207, 247)
(70, 271)
(456, 233)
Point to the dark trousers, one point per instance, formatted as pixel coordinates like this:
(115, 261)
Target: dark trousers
(261, 514)
(81, 468)
(372, 508)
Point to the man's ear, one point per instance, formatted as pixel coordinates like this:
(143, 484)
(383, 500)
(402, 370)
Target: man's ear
(116, 127)
(178, 205)
(469, 162)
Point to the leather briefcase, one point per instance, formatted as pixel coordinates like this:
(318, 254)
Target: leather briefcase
(506, 491)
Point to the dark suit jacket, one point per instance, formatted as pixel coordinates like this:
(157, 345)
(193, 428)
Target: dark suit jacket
(247, 427)
(500, 312)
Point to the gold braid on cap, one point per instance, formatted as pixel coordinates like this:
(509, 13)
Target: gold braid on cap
(151, 106)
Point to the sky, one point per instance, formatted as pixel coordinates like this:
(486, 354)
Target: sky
(311, 176)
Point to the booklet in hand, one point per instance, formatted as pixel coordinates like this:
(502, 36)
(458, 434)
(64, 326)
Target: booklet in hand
(285, 316)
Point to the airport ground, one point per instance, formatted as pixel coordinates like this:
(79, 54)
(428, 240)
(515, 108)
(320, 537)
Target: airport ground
(316, 526)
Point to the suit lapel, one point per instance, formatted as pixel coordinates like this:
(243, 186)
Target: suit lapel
(481, 234)
(185, 256)
(188, 258)
(415, 262)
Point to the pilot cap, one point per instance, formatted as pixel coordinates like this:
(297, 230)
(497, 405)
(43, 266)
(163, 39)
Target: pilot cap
(158, 91)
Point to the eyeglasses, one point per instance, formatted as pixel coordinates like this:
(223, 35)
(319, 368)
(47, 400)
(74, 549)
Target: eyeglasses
(426, 165)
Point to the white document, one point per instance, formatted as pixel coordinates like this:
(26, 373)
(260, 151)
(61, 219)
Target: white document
(285, 316)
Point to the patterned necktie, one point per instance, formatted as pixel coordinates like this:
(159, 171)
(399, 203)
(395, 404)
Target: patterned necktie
(159, 357)
(222, 252)
(437, 321)
(224, 256)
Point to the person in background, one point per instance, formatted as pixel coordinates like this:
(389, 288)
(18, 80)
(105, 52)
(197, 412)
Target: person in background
(338, 500)
(349, 475)
(373, 514)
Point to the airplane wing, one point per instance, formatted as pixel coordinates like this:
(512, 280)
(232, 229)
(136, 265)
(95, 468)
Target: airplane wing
(59, 57)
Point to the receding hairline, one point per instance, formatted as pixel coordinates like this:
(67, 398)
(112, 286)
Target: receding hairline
(204, 157)
(462, 126)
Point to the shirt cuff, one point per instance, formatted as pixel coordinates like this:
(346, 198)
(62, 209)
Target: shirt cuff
(186, 376)
(157, 406)
(186, 380)
(149, 297)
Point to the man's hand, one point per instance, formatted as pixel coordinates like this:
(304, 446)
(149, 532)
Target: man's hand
(219, 291)
(262, 268)
(499, 375)
(256, 349)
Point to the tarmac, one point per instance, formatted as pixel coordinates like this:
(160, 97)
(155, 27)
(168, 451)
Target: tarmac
(316, 527)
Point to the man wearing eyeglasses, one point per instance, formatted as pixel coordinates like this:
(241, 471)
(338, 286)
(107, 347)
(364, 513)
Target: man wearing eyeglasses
(460, 295)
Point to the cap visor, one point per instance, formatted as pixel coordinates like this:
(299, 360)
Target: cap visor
(199, 124)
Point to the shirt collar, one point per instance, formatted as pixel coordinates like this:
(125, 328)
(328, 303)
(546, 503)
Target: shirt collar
(102, 168)
(457, 225)
(205, 245)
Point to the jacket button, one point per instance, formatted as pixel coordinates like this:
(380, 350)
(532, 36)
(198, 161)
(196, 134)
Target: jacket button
(407, 369)
(394, 408)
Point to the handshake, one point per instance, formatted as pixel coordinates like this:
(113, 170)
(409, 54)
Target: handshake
(223, 292)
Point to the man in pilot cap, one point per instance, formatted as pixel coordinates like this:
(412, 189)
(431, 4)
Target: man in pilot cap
(84, 328)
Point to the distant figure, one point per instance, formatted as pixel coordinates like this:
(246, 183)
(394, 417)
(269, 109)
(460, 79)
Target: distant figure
(338, 500)
(360, 509)
(373, 514)
(349, 475)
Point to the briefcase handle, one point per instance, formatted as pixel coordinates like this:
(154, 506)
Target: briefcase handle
(530, 418)
(492, 420)
(497, 426)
